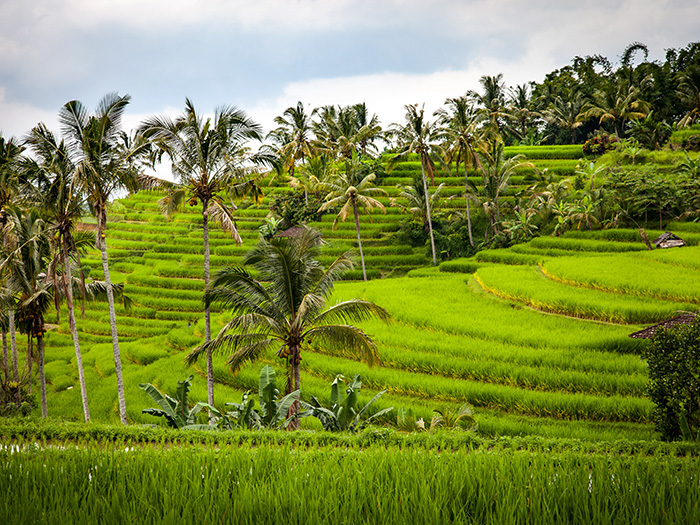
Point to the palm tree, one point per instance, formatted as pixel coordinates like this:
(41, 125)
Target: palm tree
(10, 187)
(689, 93)
(207, 157)
(285, 308)
(492, 100)
(352, 192)
(62, 206)
(519, 111)
(463, 137)
(27, 261)
(414, 198)
(565, 112)
(496, 172)
(102, 167)
(293, 139)
(615, 104)
(419, 136)
(347, 130)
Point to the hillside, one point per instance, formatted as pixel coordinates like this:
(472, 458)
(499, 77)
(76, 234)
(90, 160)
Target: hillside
(487, 331)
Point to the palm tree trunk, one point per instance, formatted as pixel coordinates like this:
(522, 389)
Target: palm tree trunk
(67, 285)
(466, 194)
(295, 408)
(359, 241)
(5, 357)
(13, 343)
(29, 362)
(42, 376)
(207, 309)
(427, 209)
(113, 328)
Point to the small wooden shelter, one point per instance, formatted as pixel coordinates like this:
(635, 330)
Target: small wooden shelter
(650, 331)
(668, 240)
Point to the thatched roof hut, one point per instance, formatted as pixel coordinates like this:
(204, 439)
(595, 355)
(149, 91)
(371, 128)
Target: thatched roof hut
(294, 231)
(650, 331)
(668, 240)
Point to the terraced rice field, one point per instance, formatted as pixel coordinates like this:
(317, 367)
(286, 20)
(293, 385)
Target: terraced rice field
(535, 337)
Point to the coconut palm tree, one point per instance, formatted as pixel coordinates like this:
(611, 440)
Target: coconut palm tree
(208, 157)
(351, 191)
(421, 137)
(615, 104)
(347, 130)
(463, 138)
(413, 201)
(10, 189)
(25, 263)
(565, 112)
(293, 140)
(62, 206)
(284, 309)
(102, 167)
(496, 172)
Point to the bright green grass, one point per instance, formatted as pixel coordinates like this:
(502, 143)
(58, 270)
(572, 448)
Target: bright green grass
(629, 274)
(315, 484)
(480, 316)
(529, 286)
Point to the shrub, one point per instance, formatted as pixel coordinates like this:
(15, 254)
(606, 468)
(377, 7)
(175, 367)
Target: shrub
(673, 359)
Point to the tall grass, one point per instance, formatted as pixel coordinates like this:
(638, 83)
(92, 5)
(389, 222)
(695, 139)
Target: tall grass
(529, 286)
(629, 274)
(272, 484)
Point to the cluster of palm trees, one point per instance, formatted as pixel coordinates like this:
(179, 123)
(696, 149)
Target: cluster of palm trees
(48, 183)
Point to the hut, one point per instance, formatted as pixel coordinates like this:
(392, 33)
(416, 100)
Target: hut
(668, 240)
(650, 331)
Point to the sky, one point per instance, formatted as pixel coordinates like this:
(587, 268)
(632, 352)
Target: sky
(263, 56)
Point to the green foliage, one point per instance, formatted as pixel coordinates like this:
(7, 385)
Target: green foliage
(292, 208)
(344, 413)
(673, 358)
(176, 411)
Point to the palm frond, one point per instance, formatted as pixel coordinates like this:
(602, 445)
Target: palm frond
(346, 338)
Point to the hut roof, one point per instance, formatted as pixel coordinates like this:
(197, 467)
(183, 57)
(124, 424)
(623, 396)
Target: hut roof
(650, 331)
(294, 231)
(668, 240)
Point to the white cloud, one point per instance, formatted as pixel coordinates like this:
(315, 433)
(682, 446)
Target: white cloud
(17, 118)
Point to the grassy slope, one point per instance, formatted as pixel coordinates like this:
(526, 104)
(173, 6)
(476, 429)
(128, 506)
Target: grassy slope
(527, 372)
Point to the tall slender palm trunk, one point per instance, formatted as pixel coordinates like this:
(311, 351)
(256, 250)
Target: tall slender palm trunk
(30, 362)
(67, 285)
(42, 375)
(359, 241)
(5, 357)
(13, 343)
(113, 327)
(295, 359)
(427, 209)
(207, 308)
(466, 194)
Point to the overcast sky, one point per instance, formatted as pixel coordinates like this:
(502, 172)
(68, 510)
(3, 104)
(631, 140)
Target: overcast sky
(265, 55)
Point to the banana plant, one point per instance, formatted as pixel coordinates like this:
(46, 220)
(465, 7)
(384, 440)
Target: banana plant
(274, 411)
(176, 411)
(343, 413)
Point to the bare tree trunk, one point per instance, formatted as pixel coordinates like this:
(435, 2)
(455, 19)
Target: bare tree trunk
(359, 241)
(466, 194)
(5, 357)
(113, 328)
(13, 343)
(67, 284)
(42, 376)
(427, 209)
(207, 308)
(295, 408)
(30, 362)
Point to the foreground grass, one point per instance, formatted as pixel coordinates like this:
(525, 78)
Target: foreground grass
(102, 474)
